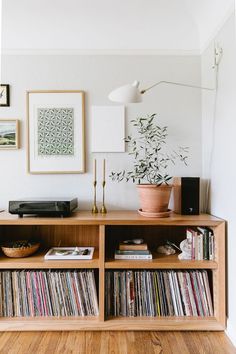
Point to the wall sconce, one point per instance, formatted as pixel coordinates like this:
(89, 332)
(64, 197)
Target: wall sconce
(131, 93)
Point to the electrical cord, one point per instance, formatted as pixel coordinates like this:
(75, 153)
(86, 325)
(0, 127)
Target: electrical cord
(218, 57)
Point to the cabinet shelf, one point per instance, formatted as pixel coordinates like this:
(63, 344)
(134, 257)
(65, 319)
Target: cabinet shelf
(104, 232)
(48, 323)
(118, 323)
(165, 323)
(160, 261)
(37, 261)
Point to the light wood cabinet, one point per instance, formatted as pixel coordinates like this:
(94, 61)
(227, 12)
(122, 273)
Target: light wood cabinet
(103, 232)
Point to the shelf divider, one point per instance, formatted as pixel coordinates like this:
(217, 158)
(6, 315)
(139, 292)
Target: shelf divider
(102, 273)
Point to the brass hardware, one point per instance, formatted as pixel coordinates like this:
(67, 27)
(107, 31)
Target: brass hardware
(103, 208)
(94, 208)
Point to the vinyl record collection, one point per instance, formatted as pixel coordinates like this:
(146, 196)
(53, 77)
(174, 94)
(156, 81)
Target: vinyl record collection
(158, 293)
(48, 293)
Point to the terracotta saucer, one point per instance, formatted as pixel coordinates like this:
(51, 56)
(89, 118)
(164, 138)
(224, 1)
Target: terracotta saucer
(164, 214)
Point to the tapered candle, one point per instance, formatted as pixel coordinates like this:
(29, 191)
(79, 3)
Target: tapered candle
(104, 169)
(95, 170)
(94, 208)
(103, 208)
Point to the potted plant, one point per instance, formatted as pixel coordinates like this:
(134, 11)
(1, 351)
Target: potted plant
(150, 165)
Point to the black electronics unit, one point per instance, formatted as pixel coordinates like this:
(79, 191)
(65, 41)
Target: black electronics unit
(187, 195)
(43, 207)
(190, 192)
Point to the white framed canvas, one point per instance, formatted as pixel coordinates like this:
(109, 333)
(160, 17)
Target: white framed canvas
(56, 132)
(108, 129)
(9, 134)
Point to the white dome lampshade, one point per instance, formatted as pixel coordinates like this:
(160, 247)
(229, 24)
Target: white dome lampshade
(126, 94)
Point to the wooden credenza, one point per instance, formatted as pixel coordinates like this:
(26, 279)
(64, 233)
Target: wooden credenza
(104, 232)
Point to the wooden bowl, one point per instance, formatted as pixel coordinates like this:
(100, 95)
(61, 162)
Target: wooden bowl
(20, 252)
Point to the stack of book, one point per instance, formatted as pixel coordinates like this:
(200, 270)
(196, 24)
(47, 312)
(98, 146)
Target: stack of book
(203, 243)
(48, 293)
(133, 251)
(158, 293)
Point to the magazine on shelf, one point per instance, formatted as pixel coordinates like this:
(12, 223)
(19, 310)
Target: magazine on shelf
(65, 253)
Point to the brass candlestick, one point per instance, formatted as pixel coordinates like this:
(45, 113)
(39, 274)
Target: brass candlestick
(94, 208)
(103, 208)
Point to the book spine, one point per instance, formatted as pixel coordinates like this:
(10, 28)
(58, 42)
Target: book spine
(196, 245)
(211, 247)
(132, 252)
(200, 247)
(132, 247)
(132, 256)
(205, 245)
(206, 242)
(193, 245)
(191, 240)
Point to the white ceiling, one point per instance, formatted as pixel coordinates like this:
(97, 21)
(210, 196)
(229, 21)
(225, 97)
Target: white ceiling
(112, 25)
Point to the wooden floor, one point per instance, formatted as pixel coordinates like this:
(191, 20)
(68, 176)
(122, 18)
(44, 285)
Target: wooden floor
(115, 343)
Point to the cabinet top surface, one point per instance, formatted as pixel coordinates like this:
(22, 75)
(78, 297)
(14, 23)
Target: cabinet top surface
(121, 217)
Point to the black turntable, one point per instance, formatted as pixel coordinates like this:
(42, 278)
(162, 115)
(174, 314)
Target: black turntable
(43, 207)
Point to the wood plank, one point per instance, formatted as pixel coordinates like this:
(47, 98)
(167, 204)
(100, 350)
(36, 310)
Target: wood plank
(69, 342)
(102, 273)
(219, 284)
(37, 261)
(160, 262)
(53, 235)
(113, 324)
(126, 217)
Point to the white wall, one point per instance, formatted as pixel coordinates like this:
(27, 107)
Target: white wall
(109, 25)
(103, 24)
(222, 171)
(209, 16)
(0, 41)
(178, 107)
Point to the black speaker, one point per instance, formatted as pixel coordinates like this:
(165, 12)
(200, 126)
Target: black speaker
(187, 195)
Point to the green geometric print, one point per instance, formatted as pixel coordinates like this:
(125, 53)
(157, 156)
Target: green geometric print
(55, 131)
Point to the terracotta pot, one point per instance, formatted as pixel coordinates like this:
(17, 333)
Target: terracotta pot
(153, 198)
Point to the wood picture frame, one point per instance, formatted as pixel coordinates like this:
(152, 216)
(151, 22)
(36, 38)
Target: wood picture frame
(4, 95)
(9, 134)
(56, 132)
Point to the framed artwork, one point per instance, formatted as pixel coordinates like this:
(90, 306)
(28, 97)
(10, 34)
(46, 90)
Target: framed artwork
(9, 134)
(56, 139)
(108, 129)
(4, 95)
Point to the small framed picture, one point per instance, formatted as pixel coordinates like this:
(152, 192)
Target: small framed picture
(4, 95)
(9, 134)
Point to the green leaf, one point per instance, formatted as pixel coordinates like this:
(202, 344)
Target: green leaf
(149, 151)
